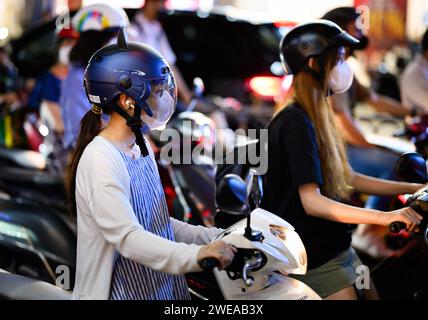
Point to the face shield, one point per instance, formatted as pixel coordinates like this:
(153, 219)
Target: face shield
(161, 101)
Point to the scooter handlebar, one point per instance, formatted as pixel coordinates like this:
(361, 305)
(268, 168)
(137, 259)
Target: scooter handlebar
(397, 226)
(209, 264)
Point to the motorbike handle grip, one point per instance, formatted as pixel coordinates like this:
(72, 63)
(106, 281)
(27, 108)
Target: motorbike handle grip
(209, 263)
(397, 226)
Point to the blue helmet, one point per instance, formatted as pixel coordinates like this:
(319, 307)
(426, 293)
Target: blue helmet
(140, 72)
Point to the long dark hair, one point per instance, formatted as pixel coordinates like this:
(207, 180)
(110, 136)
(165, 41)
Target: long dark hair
(90, 126)
(311, 96)
(89, 42)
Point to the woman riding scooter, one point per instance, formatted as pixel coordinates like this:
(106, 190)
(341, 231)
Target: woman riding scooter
(308, 170)
(128, 247)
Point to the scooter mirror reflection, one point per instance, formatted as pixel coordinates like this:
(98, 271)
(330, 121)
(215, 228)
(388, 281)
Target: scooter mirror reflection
(198, 87)
(411, 167)
(231, 195)
(254, 189)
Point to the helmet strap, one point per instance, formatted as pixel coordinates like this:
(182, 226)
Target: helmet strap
(135, 124)
(319, 76)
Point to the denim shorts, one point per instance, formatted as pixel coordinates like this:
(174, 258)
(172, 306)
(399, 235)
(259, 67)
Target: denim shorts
(334, 275)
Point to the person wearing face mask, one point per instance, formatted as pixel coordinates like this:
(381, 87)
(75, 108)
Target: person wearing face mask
(97, 25)
(308, 174)
(414, 81)
(47, 90)
(347, 19)
(45, 98)
(363, 156)
(127, 245)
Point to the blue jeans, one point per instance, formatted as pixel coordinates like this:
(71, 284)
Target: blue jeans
(374, 162)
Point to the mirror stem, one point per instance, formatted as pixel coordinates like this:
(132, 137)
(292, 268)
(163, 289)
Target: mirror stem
(248, 230)
(249, 233)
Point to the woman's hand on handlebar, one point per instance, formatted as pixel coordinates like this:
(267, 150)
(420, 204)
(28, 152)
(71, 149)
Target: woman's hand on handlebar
(220, 251)
(406, 215)
(422, 187)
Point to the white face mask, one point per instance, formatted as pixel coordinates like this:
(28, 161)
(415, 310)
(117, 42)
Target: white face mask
(64, 53)
(340, 78)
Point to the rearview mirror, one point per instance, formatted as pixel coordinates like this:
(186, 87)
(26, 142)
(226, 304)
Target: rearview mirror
(411, 167)
(231, 194)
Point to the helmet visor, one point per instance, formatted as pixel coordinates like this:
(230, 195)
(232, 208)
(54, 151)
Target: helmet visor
(161, 101)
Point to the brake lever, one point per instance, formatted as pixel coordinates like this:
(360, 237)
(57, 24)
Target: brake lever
(250, 265)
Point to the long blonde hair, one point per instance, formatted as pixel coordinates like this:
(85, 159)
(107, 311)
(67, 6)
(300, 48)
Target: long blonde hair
(334, 163)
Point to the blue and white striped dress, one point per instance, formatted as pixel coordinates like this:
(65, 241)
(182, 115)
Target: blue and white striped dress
(133, 281)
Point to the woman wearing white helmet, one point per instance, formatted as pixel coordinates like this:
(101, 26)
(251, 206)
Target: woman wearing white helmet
(98, 25)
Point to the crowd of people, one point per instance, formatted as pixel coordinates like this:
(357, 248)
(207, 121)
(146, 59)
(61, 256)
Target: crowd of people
(128, 247)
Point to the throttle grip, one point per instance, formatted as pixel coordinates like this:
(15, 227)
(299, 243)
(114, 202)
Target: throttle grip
(209, 264)
(397, 226)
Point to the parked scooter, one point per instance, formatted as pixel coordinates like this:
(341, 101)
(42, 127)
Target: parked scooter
(34, 241)
(25, 178)
(14, 287)
(27, 174)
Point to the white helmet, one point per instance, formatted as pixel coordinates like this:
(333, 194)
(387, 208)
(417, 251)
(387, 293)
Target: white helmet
(99, 16)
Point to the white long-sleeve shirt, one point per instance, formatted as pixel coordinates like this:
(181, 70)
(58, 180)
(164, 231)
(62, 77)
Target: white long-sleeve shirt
(106, 223)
